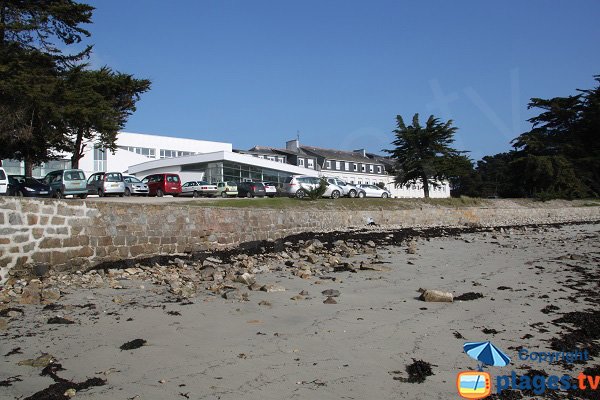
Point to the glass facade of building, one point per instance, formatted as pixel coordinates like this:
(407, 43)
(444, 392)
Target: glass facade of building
(232, 171)
(14, 167)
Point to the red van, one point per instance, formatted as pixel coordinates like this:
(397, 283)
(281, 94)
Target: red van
(161, 184)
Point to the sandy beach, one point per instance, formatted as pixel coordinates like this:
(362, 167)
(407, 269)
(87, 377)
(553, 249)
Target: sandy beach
(231, 340)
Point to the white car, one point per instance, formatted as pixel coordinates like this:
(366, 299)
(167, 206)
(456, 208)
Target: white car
(298, 186)
(3, 181)
(270, 188)
(375, 191)
(197, 189)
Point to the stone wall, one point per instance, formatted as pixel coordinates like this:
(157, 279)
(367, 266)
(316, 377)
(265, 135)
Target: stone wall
(75, 234)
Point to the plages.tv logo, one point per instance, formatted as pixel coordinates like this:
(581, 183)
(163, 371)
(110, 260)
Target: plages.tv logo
(478, 384)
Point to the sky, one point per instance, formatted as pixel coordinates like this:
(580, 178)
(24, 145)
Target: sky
(338, 72)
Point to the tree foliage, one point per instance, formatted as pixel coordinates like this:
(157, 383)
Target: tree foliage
(424, 152)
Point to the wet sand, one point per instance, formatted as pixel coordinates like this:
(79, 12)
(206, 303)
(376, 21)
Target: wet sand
(287, 348)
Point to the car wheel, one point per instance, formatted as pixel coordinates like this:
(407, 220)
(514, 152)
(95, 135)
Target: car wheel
(19, 194)
(121, 194)
(100, 193)
(249, 195)
(361, 195)
(335, 194)
(300, 193)
(352, 194)
(175, 194)
(223, 194)
(196, 194)
(58, 194)
(159, 193)
(384, 196)
(127, 192)
(83, 196)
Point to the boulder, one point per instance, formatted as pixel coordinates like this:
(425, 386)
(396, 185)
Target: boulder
(430, 295)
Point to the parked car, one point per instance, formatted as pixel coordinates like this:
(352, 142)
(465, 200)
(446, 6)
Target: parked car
(133, 186)
(106, 183)
(298, 186)
(161, 184)
(197, 189)
(23, 186)
(251, 189)
(225, 189)
(375, 191)
(270, 188)
(66, 182)
(348, 189)
(3, 182)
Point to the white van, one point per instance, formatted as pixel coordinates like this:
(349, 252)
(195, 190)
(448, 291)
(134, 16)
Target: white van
(3, 182)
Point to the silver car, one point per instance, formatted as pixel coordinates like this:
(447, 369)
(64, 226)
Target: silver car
(133, 186)
(298, 186)
(106, 183)
(375, 191)
(347, 188)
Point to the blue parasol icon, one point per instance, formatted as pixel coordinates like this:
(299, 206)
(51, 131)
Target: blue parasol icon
(486, 353)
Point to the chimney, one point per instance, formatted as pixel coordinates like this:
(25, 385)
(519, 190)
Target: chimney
(363, 152)
(292, 145)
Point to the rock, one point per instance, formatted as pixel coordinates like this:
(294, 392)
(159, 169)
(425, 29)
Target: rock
(371, 243)
(118, 300)
(311, 258)
(255, 286)
(235, 294)
(437, 296)
(329, 300)
(40, 362)
(213, 260)
(412, 247)
(304, 293)
(51, 294)
(31, 294)
(70, 393)
(289, 263)
(371, 267)
(264, 303)
(246, 278)
(331, 293)
(3, 324)
(297, 297)
(272, 288)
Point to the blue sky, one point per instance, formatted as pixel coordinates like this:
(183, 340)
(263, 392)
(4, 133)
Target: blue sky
(254, 72)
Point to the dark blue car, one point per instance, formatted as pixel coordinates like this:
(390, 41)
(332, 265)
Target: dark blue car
(24, 186)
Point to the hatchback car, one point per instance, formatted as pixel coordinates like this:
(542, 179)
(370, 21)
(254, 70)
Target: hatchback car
(106, 183)
(24, 186)
(251, 189)
(375, 191)
(3, 181)
(226, 189)
(270, 188)
(133, 186)
(161, 184)
(348, 189)
(299, 186)
(67, 182)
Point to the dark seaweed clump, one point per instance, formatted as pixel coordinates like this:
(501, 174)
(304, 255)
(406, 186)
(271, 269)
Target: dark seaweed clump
(469, 296)
(418, 371)
(57, 390)
(132, 345)
(59, 320)
(585, 334)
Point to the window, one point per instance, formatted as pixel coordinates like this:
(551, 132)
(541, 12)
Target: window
(301, 162)
(145, 151)
(355, 167)
(347, 166)
(364, 168)
(370, 167)
(164, 153)
(99, 159)
(328, 164)
(379, 169)
(338, 165)
(311, 163)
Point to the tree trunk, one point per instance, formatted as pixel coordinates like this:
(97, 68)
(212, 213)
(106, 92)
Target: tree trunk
(77, 151)
(75, 160)
(425, 186)
(28, 161)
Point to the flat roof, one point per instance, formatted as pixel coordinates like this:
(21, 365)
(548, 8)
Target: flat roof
(220, 156)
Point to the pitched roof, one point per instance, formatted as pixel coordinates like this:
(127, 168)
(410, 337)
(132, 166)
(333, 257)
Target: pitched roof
(341, 155)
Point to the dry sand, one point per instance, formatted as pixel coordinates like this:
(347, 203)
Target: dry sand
(224, 349)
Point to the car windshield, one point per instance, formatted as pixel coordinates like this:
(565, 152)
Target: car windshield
(231, 184)
(74, 176)
(114, 177)
(172, 178)
(132, 179)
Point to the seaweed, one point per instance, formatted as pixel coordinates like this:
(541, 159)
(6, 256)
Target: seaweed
(133, 344)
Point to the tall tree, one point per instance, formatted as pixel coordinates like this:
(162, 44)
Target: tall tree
(95, 106)
(44, 25)
(424, 152)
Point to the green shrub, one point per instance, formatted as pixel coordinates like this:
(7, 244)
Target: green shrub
(316, 193)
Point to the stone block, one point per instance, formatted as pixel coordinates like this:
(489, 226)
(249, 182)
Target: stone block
(50, 243)
(41, 257)
(58, 257)
(56, 220)
(15, 218)
(30, 206)
(4, 240)
(37, 233)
